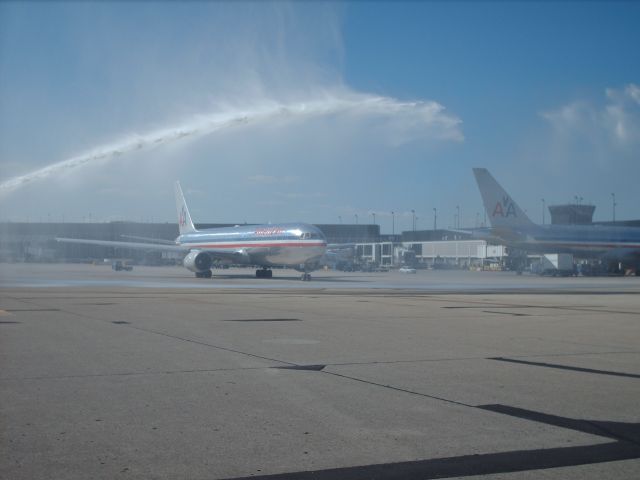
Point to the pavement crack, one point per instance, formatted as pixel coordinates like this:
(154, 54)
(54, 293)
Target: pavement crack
(210, 345)
(133, 374)
(398, 389)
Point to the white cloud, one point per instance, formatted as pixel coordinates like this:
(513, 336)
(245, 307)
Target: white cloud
(612, 125)
(633, 91)
(589, 150)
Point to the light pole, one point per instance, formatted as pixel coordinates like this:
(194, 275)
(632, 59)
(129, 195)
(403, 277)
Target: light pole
(435, 219)
(542, 199)
(413, 220)
(356, 215)
(613, 199)
(340, 218)
(393, 223)
(457, 216)
(374, 217)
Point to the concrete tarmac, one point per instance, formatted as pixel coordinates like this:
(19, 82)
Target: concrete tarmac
(155, 374)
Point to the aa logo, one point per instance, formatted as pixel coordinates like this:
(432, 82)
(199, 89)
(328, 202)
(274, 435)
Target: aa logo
(506, 208)
(183, 217)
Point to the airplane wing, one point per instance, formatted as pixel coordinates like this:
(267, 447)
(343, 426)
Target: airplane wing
(133, 245)
(214, 252)
(150, 240)
(464, 232)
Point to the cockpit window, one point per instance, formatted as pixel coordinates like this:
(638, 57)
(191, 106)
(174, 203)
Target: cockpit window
(311, 235)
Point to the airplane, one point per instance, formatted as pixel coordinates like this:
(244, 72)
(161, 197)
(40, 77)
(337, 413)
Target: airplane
(297, 245)
(511, 226)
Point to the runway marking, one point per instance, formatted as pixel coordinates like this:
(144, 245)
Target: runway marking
(626, 447)
(627, 432)
(4, 313)
(565, 367)
(471, 465)
(509, 313)
(312, 368)
(264, 320)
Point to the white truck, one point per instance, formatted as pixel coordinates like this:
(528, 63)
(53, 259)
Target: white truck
(556, 264)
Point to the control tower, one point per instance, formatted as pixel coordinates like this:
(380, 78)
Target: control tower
(572, 214)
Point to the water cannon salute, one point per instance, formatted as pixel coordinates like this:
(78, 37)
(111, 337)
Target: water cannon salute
(172, 175)
(269, 140)
(267, 122)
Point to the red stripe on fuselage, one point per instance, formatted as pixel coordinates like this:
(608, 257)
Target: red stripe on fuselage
(248, 245)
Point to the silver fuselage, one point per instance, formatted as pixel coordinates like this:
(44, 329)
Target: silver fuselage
(288, 244)
(615, 242)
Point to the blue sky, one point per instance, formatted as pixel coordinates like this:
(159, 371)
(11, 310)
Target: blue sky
(546, 95)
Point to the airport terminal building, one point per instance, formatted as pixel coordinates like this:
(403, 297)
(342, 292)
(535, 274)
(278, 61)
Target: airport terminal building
(368, 248)
(35, 242)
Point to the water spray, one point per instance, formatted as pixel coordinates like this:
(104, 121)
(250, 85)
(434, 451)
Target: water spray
(429, 116)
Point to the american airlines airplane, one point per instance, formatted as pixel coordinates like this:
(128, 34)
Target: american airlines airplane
(296, 245)
(512, 226)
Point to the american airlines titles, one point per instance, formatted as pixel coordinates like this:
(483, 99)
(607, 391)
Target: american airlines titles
(267, 232)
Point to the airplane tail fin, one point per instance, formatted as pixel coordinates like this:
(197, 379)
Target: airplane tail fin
(501, 209)
(184, 218)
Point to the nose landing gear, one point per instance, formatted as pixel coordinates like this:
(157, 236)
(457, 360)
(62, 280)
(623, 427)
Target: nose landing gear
(264, 273)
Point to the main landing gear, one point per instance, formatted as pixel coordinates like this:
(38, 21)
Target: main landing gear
(264, 273)
(205, 274)
(305, 277)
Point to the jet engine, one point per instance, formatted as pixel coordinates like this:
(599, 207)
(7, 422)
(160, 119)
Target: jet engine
(197, 261)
